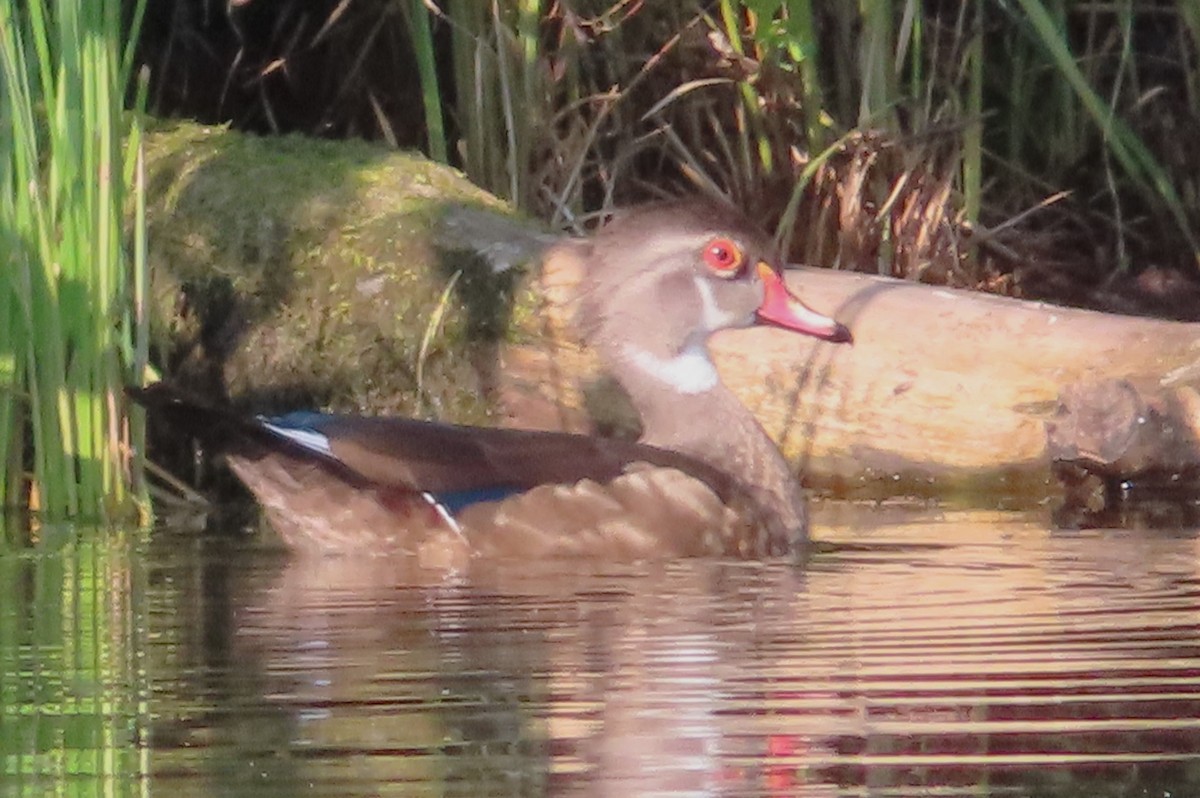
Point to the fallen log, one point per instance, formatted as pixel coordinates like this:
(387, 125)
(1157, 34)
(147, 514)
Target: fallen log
(943, 391)
(292, 273)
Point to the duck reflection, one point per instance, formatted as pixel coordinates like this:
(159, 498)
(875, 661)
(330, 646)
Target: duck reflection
(918, 654)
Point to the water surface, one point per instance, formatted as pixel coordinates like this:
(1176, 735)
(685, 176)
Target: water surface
(918, 654)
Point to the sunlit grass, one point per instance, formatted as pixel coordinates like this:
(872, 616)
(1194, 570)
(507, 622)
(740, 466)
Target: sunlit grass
(72, 291)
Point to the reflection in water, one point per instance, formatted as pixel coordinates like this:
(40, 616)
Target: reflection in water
(985, 655)
(73, 697)
(972, 655)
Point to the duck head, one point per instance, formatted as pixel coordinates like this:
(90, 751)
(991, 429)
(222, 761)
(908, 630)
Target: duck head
(660, 280)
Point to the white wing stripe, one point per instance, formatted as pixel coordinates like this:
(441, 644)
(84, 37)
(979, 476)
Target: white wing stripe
(307, 438)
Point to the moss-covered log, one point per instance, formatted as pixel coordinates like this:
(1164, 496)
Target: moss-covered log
(292, 271)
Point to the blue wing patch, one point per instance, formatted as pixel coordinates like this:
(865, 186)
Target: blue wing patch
(456, 500)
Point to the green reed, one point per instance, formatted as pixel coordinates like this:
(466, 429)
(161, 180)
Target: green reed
(72, 294)
(1085, 105)
(500, 103)
(421, 37)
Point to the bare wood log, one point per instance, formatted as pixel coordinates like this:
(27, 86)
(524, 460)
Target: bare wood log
(1126, 457)
(942, 389)
(1112, 428)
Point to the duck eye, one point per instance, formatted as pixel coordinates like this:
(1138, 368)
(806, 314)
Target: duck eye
(724, 257)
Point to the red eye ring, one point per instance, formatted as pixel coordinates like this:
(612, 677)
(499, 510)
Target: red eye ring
(724, 257)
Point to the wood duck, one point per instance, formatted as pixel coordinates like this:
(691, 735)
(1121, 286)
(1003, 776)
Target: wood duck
(704, 479)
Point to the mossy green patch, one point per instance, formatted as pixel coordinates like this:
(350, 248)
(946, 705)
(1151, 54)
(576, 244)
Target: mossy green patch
(290, 271)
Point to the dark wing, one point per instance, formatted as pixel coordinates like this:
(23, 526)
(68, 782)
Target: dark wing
(445, 457)
(341, 482)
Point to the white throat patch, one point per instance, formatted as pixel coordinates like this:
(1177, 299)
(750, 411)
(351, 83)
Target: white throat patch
(689, 372)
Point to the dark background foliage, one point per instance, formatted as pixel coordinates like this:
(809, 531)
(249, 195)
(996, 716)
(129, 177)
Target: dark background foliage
(1034, 148)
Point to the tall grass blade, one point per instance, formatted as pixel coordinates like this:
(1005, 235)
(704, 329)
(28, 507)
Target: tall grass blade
(431, 96)
(972, 140)
(1131, 153)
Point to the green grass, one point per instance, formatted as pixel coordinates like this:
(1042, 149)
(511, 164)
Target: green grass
(72, 289)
